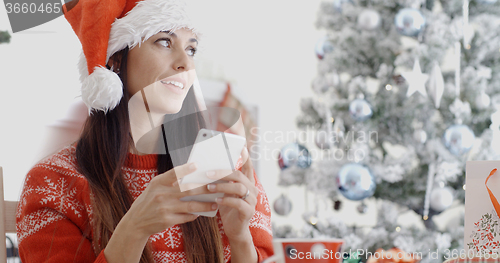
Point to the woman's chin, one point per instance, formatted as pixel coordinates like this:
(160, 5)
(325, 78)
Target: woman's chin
(167, 110)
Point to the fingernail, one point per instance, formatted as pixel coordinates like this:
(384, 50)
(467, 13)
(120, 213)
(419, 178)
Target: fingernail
(214, 206)
(192, 167)
(211, 174)
(218, 200)
(211, 187)
(175, 183)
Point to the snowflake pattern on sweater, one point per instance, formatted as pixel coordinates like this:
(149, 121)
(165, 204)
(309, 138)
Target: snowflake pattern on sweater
(54, 214)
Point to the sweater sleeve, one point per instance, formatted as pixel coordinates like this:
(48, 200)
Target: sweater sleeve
(52, 218)
(260, 224)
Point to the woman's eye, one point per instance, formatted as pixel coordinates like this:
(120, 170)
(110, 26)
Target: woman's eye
(191, 51)
(164, 42)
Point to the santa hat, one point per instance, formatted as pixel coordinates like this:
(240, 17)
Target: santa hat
(107, 26)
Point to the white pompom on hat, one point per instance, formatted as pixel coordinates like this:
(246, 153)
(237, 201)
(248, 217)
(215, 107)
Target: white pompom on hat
(107, 26)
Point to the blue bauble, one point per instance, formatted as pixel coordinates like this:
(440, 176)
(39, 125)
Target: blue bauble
(355, 182)
(337, 4)
(459, 139)
(360, 110)
(323, 47)
(409, 22)
(294, 154)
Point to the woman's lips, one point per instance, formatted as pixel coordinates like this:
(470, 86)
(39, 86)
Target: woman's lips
(176, 85)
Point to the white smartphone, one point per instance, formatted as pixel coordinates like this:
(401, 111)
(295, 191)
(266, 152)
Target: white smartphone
(212, 150)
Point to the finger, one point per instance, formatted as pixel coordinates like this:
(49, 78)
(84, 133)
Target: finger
(183, 187)
(237, 189)
(244, 209)
(247, 167)
(185, 169)
(242, 158)
(218, 174)
(237, 176)
(195, 206)
(173, 175)
(201, 189)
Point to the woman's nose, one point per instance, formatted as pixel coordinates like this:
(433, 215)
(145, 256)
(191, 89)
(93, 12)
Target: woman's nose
(182, 61)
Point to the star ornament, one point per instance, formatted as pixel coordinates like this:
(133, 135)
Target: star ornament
(416, 80)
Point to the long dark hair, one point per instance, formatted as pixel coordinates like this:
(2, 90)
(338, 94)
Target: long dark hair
(101, 152)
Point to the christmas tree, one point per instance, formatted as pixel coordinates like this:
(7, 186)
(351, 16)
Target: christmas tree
(421, 76)
(4, 37)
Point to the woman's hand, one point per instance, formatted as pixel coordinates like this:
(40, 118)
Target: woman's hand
(159, 207)
(156, 209)
(236, 212)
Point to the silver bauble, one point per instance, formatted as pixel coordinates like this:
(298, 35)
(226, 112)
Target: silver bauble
(323, 139)
(294, 154)
(409, 22)
(355, 182)
(487, 2)
(282, 205)
(362, 208)
(323, 47)
(459, 139)
(360, 110)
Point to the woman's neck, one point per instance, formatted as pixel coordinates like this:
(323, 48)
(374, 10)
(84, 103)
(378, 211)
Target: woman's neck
(142, 122)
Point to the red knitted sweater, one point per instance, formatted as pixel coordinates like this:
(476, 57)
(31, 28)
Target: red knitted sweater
(55, 210)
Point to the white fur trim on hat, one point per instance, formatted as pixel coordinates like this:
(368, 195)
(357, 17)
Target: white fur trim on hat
(102, 90)
(146, 19)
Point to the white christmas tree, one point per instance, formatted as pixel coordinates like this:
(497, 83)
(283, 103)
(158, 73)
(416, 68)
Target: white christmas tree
(421, 76)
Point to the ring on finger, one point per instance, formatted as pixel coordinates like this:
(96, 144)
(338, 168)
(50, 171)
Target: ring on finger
(246, 195)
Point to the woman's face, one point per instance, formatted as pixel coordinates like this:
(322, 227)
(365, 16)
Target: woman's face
(163, 67)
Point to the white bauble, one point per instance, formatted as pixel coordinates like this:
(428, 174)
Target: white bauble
(441, 198)
(483, 101)
(369, 19)
(420, 136)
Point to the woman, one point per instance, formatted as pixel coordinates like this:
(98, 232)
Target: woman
(101, 199)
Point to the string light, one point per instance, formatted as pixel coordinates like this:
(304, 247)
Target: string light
(463, 187)
(332, 119)
(398, 229)
(313, 220)
(388, 87)
(426, 217)
(467, 47)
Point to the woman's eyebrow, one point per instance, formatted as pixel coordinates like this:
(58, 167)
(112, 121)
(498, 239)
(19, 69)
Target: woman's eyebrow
(175, 36)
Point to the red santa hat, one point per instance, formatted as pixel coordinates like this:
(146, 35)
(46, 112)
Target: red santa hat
(107, 26)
